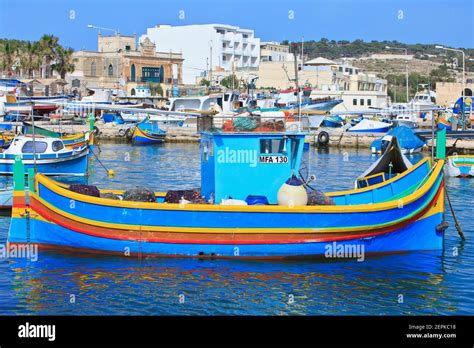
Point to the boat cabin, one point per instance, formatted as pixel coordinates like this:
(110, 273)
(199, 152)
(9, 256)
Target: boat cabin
(237, 163)
(24, 145)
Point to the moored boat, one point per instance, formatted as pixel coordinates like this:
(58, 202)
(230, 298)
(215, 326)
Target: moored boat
(370, 126)
(460, 166)
(407, 139)
(48, 155)
(401, 214)
(148, 132)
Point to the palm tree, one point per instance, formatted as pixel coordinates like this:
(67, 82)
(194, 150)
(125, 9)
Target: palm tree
(48, 45)
(64, 62)
(9, 53)
(31, 57)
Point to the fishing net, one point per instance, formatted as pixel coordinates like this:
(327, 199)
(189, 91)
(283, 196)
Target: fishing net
(244, 124)
(111, 195)
(193, 196)
(139, 194)
(88, 190)
(319, 198)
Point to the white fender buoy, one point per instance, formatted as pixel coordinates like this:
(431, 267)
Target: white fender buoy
(292, 193)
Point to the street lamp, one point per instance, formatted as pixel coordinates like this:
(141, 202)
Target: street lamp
(90, 26)
(406, 62)
(463, 66)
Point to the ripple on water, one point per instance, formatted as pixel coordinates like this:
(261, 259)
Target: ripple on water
(429, 283)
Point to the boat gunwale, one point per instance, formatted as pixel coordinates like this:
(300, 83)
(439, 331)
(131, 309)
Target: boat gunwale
(346, 209)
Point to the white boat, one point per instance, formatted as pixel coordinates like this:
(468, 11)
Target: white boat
(49, 155)
(222, 102)
(371, 126)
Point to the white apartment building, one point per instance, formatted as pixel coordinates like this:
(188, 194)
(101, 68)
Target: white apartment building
(274, 52)
(205, 47)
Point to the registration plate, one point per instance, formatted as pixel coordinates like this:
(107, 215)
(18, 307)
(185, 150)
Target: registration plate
(273, 159)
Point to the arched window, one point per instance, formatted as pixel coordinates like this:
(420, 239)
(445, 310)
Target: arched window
(111, 70)
(133, 91)
(132, 73)
(93, 69)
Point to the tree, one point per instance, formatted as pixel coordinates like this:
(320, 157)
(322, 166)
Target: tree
(9, 51)
(64, 62)
(230, 81)
(30, 58)
(155, 88)
(48, 45)
(204, 82)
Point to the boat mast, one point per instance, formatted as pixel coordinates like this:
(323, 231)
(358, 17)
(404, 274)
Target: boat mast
(295, 55)
(33, 136)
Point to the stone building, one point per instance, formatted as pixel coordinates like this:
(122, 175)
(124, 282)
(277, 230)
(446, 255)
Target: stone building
(448, 92)
(120, 64)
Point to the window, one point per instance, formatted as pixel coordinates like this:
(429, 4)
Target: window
(362, 102)
(354, 101)
(272, 146)
(57, 145)
(224, 58)
(40, 147)
(369, 102)
(111, 70)
(153, 74)
(93, 69)
(127, 47)
(132, 72)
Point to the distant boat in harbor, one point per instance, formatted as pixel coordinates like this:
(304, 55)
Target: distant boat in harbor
(49, 155)
(370, 126)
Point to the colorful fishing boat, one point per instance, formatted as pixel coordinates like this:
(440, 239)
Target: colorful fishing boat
(148, 132)
(49, 155)
(460, 166)
(401, 214)
(69, 140)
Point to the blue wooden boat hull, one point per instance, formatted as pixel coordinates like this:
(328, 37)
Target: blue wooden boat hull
(393, 216)
(420, 235)
(75, 166)
(143, 137)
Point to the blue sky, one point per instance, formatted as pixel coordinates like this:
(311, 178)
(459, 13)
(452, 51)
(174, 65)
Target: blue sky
(423, 21)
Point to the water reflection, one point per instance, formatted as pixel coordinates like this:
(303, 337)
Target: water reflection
(429, 282)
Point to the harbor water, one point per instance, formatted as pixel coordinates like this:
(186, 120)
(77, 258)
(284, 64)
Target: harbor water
(399, 284)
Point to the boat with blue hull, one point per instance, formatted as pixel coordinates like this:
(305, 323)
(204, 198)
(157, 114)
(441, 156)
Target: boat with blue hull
(407, 139)
(400, 214)
(50, 156)
(148, 132)
(461, 166)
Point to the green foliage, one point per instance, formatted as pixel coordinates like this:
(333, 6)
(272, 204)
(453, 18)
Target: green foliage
(28, 56)
(155, 88)
(230, 81)
(332, 49)
(204, 82)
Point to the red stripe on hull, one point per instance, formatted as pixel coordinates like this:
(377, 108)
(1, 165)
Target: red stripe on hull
(209, 238)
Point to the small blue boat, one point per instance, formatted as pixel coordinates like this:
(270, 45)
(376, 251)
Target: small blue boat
(148, 132)
(113, 118)
(333, 121)
(49, 155)
(408, 141)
